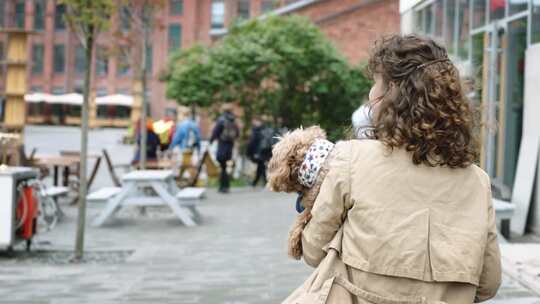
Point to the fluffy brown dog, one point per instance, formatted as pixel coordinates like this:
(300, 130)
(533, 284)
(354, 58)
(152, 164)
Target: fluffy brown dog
(287, 157)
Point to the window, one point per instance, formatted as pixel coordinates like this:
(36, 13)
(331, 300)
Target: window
(2, 7)
(479, 13)
(59, 61)
(80, 60)
(101, 92)
(78, 88)
(37, 59)
(123, 67)
(267, 5)
(175, 37)
(438, 14)
(102, 62)
(58, 90)
(449, 38)
(218, 14)
(176, 7)
(36, 89)
(516, 6)
(496, 9)
(19, 14)
(243, 9)
(149, 60)
(123, 91)
(535, 26)
(39, 15)
(59, 22)
(463, 29)
(419, 21)
(125, 19)
(429, 20)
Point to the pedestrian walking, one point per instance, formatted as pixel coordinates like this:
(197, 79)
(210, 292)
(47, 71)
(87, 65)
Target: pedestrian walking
(226, 132)
(405, 216)
(152, 142)
(259, 149)
(187, 135)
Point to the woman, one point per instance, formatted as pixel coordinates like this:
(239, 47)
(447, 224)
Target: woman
(407, 210)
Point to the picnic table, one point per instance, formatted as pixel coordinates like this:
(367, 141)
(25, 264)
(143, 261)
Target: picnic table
(66, 162)
(164, 192)
(57, 162)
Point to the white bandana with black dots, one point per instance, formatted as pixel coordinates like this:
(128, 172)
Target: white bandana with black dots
(313, 161)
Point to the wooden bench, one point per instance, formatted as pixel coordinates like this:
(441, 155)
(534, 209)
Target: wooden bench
(103, 194)
(504, 210)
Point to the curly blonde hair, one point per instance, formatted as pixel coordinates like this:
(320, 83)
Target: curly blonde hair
(424, 108)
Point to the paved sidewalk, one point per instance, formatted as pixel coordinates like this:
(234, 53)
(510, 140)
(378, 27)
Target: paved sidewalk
(236, 256)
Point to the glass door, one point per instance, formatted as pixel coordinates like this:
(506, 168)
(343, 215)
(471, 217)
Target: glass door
(502, 103)
(512, 118)
(494, 42)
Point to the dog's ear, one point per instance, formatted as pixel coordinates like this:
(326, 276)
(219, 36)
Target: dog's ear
(281, 166)
(287, 157)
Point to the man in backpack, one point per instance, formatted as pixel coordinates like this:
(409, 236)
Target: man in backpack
(259, 149)
(225, 132)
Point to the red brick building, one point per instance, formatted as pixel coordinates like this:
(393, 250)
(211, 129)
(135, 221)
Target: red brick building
(58, 59)
(353, 25)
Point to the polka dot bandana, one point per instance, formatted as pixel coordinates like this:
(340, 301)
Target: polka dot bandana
(313, 161)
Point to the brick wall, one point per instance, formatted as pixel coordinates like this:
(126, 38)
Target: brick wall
(354, 25)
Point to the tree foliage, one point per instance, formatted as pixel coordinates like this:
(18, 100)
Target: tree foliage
(283, 67)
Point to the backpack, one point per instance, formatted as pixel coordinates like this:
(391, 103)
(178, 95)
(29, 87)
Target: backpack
(267, 140)
(229, 132)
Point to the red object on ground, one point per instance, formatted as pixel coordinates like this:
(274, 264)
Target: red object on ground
(29, 205)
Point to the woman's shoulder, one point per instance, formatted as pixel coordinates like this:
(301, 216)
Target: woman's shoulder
(360, 147)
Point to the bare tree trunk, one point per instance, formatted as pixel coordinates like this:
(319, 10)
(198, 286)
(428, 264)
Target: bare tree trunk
(144, 114)
(81, 221)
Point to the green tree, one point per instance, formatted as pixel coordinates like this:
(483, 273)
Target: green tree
(283, 67)
(87, 18)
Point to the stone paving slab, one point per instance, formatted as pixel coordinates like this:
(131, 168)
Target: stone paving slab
(522, 262)
(237, 255)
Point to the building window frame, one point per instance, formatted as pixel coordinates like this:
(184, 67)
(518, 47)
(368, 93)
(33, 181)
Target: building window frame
(172, 38)
(220, 24)
(34, 69)
(101, 62)
(39, 6)
(123, 65)
(20, 22)
(80, 67)
(178, 6)
(57, 58)
(59, 22)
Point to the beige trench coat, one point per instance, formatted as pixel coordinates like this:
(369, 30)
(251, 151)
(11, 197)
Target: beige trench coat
(387, 231)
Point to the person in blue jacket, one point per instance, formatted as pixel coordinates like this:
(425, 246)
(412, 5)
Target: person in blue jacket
(186, 136)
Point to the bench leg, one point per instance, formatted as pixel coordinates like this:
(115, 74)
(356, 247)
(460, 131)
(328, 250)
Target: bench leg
(505, 229)
(113, 205)
(180, 212)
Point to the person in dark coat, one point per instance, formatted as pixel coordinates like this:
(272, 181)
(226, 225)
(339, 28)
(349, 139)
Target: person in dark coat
(152, 143)
(225, 132)
(259, 149)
